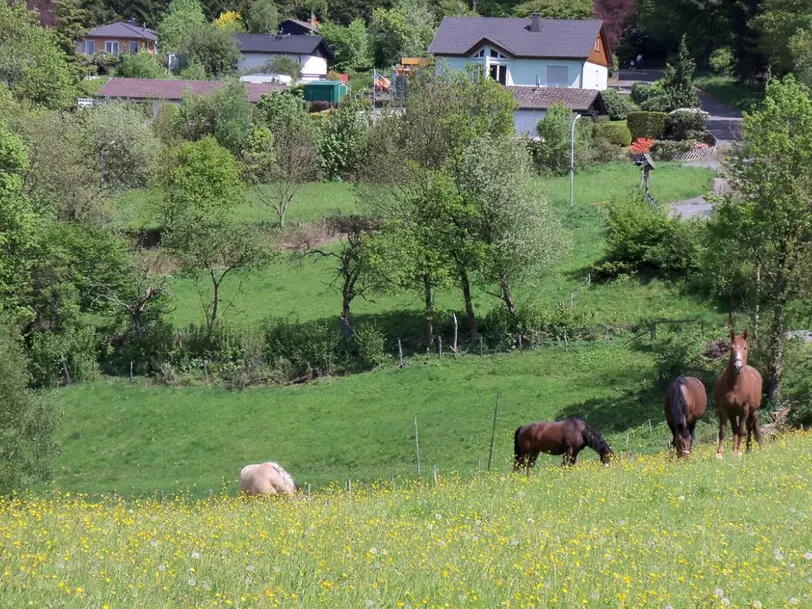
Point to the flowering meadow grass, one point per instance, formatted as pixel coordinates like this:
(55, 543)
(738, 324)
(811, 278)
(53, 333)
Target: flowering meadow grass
(646, 532)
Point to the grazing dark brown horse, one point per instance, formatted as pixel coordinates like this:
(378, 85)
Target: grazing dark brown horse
(685, 402)
(738, 396)
(567, 437)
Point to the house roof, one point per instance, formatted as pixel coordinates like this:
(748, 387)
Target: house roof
(123, 29)
(558, 38)
(541, 98)
(283, 45)
(305, 24)
(146, 88)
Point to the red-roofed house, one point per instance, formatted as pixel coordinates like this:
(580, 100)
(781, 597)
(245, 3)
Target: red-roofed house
(159, 92)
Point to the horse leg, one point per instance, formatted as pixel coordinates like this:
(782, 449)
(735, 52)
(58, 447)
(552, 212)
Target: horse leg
(756, 427)
(749, 423)
(722, 428)
(738, 430)
(568, 459)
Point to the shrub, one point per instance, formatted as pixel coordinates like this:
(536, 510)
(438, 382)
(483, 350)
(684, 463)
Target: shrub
(798, 383)
(684, 122)
(307, 348)
(641, 91)
(52, 353)
(603, 151)
(552, 153)
(139, 65)
(682, 350)
(646, 124)
(641, 145)
(642, 239)
(668, 150)
(617, 104)
(370, 345)
(615, 133)
(721, 61)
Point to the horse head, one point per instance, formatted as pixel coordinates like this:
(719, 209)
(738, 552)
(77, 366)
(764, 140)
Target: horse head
(682, 445)
(739, 349)
(606, 456)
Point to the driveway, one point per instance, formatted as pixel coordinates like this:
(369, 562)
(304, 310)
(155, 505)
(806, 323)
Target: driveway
(724, 121)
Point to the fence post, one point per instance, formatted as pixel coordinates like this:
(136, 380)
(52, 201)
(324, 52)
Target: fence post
(436, 480)
(456, 330)
(308, 490)
(132, 377)
(417, 446)
(349, 487)
(440, 345)
(566, 342)
(480, 344)
(206, 370)
(211, 497)
(400, 355)
(653, 330)
(493, 431)
(66, 372)
(519, 341)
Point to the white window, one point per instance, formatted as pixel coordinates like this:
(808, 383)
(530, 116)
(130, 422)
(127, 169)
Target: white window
(597, 44)
(481, 53)
(133, 47)
(90, 47)
(557, 76)
(497, 55)
(111, 46)
(499, 73)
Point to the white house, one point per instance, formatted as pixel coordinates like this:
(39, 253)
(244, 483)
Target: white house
(312, 52)
(538, 59)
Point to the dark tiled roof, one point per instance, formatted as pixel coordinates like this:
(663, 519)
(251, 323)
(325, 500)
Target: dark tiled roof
(305, 24)
(541, 98)
(287, 45)
(558, 38)
(123, 30)
(145, 88)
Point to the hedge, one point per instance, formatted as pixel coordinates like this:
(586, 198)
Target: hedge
(617, 105)
(615, 133)
(646, 124)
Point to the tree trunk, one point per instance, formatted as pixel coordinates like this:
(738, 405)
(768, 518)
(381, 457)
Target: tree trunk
(215, 304)
(776, 351)
(138, 325)
(346, 319)
(469, 305)
(511, 307)
(429, 312)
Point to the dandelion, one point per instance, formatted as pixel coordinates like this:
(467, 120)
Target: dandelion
(196, 555)
(368, 603)
(682, 497)
(249, 567)
(162, 567)
(276, 569)
(192, 583)
(808, 556)
(373, 550)
(60, 565)
(794, 601)
(153, 543)
(757, 605)
(779, 555)
(719, 592)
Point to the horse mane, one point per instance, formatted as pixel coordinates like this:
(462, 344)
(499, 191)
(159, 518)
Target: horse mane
(285, 475)
(677, 402)
(592, 438)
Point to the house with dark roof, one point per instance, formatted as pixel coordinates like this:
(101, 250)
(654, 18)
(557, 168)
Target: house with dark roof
(543, 61)
(158, 92)
(295, 27)
(311, 52)
(118, 38)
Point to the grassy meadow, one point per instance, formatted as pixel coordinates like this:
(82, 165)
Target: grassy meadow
(645, 532)
(138, 438)
(302, 289)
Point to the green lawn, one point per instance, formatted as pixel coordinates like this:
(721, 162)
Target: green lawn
(136, 438)
(303, 289)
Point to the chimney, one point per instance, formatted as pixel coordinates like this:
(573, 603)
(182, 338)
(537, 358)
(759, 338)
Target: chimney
(535, 22)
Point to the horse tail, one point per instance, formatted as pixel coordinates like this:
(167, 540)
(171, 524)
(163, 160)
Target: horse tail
(516, 454)
(678, 404)
(594, 440)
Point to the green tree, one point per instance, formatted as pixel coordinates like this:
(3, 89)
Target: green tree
(343, 137)
(800, 46)
(559, 9)
(279, 108)
(405, 30)
(71, 24)
(284, 64)
(552, 154)
(225, 113)
(181, 17)
(211, 47)
(32, 64)
(140, 65)
(520, 235)
(350, 45)
(201, 186)
(27, 419)
(769, 218)
(261, 17)
(778, 24)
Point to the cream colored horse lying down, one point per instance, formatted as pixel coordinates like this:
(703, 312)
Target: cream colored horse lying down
(266, 479)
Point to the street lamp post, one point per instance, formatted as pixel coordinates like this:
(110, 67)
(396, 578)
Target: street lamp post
(572, 159)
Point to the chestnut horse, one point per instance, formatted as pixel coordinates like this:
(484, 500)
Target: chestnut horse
(685, 402)
(738, 396)
(567, 437)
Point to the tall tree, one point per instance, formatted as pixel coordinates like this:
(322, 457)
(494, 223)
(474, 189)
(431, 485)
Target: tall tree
(404, 30)
(769, 216)
(32, 64)
(181, 17)
(211, 47)
(261, 17)
(616, 15)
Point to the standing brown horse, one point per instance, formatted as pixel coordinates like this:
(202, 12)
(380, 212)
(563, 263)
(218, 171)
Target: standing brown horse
(685, 402)
(567, 437)
(738, 396)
